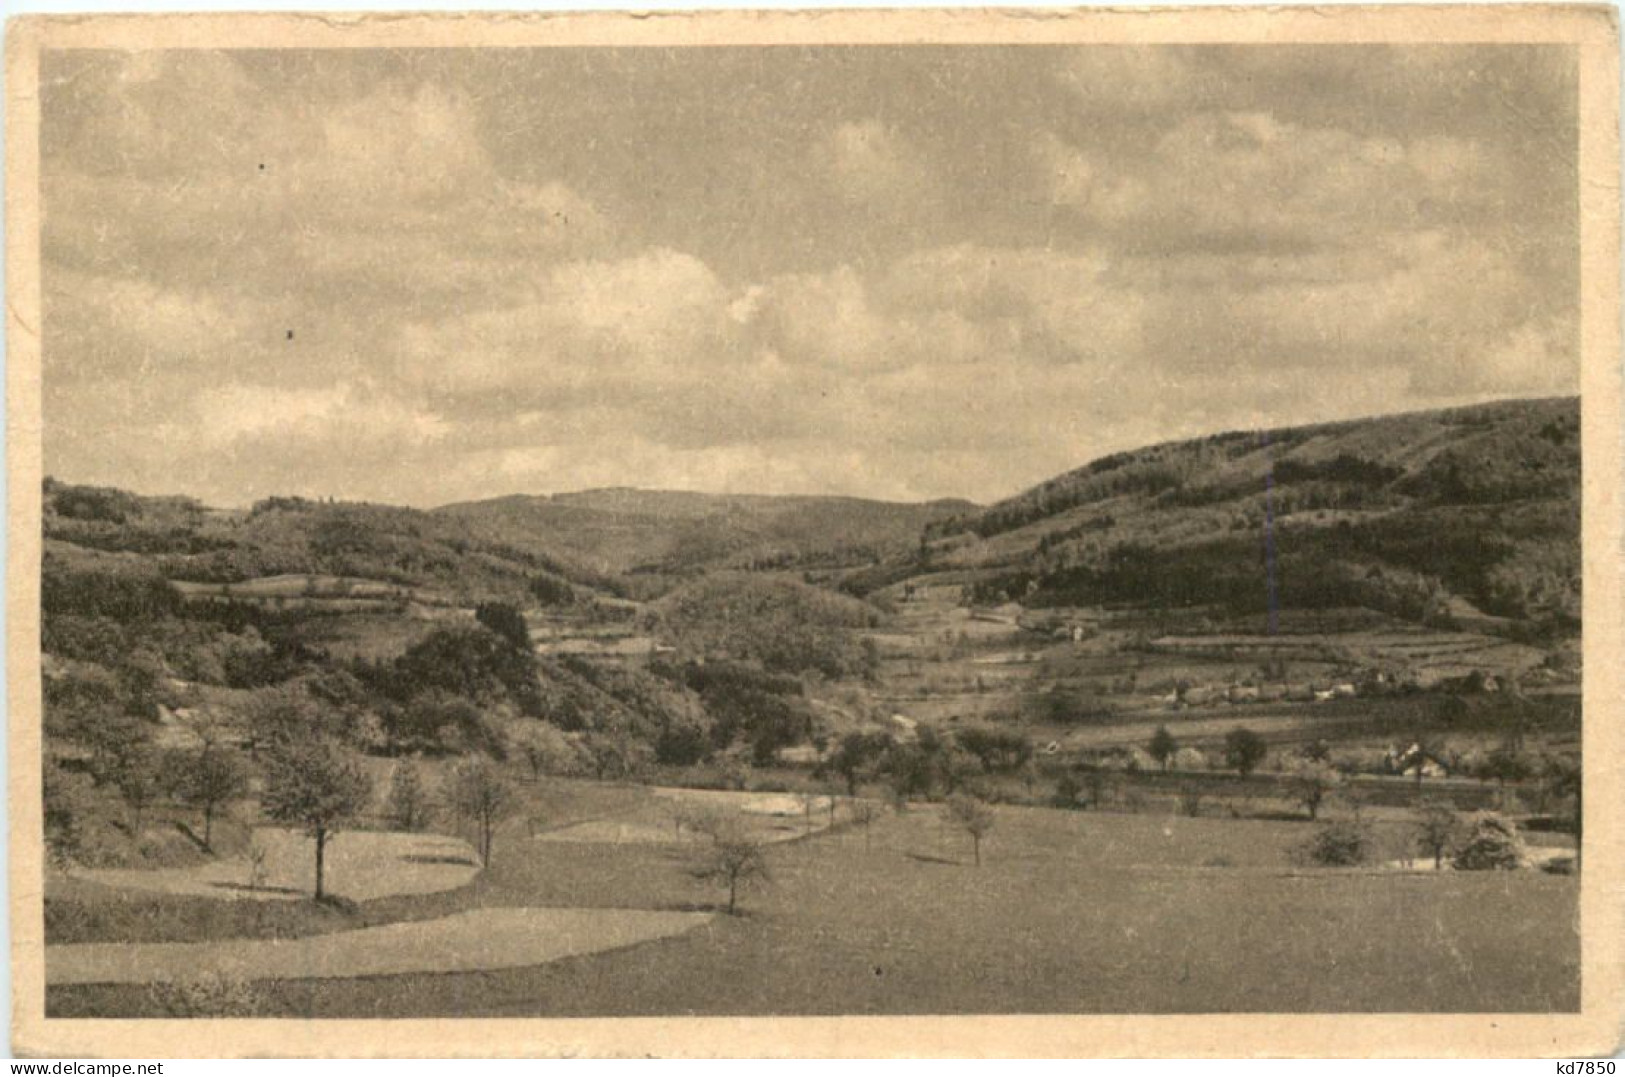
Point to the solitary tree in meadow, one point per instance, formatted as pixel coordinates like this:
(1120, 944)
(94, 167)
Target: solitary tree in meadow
(477, 791)
(864, 813)
(1436, 830)
(1162, 746)
(207, 779)
(974, 817)
(317, 785)
(734, 861)
(1244, 750)
(1312, 783)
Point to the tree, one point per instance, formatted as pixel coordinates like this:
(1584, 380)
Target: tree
(472, 663)
(408, 798)
(316, 784)
(276, 716)
(1312, 782)
(1505, 764)
(608, 755)
(65, 811)
(544, 748)
(995, 748)
(1162, 746)
(118, 743)
(206, 779)
(1190, 800)
(1244, 750)
(138, 782)
(477, 791)
(856, 757)
(732, 860)
(1436, 829)
(505, 620)
(1068, 790)
(864, 813)
(973, 816)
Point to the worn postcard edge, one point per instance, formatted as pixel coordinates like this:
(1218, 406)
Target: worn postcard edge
(1595, 1030)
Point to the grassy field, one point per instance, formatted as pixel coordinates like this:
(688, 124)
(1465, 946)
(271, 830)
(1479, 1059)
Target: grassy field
(1069, 912)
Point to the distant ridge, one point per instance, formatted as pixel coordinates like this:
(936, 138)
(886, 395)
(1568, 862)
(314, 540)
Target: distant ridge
(628, 528)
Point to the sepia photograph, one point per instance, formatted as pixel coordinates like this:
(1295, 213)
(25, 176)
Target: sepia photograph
(789, 517)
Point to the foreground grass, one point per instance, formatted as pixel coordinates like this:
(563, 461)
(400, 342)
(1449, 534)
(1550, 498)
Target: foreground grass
(1071, 912)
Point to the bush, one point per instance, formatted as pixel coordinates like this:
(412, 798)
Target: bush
(1341, 843)
(211, 994)
(1493, 844)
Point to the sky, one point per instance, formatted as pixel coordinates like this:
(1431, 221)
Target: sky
(421, 277)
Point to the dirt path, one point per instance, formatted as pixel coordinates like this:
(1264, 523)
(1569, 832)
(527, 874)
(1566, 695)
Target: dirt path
(474, 941)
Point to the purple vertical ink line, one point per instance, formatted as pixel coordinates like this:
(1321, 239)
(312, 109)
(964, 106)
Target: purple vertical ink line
(1273, 607)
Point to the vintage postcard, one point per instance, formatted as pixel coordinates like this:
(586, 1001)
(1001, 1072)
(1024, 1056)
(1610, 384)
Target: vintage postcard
(911, 533)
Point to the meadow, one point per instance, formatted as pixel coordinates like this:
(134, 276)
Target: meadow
(1068, 912)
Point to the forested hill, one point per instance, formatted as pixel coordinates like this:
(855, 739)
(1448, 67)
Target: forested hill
(89, 528)
(1428, 515)
(624, 529)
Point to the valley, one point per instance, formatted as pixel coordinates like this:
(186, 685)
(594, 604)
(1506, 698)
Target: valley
(1268, 656)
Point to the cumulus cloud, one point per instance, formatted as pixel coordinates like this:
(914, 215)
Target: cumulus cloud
(867, 162)
(388, 276)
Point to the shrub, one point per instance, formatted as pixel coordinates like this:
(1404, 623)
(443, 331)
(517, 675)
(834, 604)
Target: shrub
(210, 994)
(1340, 843)
(1190, 759)
(1492, 844)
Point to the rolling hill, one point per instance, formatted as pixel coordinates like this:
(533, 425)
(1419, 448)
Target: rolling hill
(666, 531)
(1470, 512)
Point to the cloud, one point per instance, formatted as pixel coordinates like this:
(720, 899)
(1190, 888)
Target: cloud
(867, 161)
(1249, 177)
(581, 331)
(345, 417)
(956, 280)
